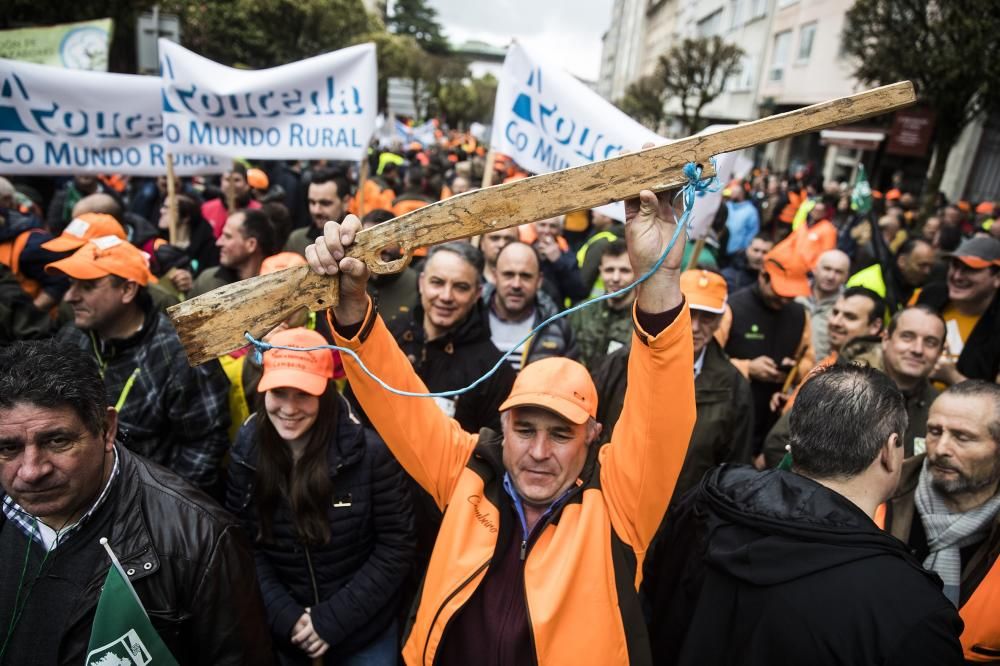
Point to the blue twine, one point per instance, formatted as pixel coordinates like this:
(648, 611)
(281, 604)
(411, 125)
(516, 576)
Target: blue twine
(695, 187)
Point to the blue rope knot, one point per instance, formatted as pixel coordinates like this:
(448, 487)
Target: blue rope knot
(696, 186)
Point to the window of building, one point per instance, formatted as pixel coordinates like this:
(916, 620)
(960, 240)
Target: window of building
(742, 79)
(779, 56)
(710, 25)
(735, 13)
(786, 3)
(758, 8)
(807, 34)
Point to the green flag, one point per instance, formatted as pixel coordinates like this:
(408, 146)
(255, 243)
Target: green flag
(122, 634)
(861, 195)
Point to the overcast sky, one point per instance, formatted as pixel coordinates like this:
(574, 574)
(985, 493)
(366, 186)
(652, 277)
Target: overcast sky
(565, 32)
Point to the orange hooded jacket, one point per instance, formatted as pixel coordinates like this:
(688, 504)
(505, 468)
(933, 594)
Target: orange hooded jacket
(581, 576)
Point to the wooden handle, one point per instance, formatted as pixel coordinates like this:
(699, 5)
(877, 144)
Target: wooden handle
(213, 324)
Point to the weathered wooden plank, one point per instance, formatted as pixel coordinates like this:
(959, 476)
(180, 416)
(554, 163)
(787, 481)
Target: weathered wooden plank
(214, 323)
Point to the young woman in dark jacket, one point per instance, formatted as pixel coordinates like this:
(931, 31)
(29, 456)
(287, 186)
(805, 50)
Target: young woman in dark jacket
(329, 512)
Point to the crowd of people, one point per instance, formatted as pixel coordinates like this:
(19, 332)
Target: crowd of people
(782, 447)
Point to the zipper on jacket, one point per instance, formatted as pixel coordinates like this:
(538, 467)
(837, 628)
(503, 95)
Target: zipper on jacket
(531, 537)
(312, 574)
(444, 603)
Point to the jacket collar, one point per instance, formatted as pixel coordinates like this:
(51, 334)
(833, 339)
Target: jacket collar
(474, 328)
(108, 349)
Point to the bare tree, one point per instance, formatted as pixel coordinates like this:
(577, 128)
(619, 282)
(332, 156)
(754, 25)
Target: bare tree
(643, 101)
(695, 72)
(948, 48)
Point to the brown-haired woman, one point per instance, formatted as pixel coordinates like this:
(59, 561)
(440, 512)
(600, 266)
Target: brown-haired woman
(329, 512)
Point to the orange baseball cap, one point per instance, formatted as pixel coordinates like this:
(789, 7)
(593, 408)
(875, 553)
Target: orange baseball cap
(103, 256)
(558, 385)
(257, 179)
(308, 371)
(786, 283)
(985, 208)
(83, 228)
(705, 290)
(281, 261)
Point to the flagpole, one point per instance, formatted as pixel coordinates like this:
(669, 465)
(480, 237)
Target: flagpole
(171, 201)
(121, 570)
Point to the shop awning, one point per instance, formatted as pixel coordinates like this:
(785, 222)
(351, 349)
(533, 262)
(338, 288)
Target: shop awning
(857, 139)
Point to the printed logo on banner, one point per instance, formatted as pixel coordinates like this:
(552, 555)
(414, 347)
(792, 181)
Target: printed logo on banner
(319, 107)
(556, 128)
(546, 120)
(64, 121)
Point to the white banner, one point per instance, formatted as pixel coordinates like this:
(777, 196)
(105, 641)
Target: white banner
(547, 120)
(59, 121)
(322, 107)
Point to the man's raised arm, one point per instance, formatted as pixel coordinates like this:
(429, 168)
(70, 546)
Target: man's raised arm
(431, 447)
(639, 468)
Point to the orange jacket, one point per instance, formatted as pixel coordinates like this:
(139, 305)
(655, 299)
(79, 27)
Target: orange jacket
(800, 251)
(10, 256)
(981, 611)
(795, 199)
(375, 197)
(581, 576)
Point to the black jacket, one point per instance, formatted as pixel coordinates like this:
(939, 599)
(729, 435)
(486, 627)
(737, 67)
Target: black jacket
(455, 360)
(757, 330)
(358, 574)
(774, 568)
(190, 564)
(738, 274)
(980, 357)
(563, 279)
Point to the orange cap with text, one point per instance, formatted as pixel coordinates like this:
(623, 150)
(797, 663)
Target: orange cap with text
(103, 256)
(82, 228)
(558, 385)
(308, 371)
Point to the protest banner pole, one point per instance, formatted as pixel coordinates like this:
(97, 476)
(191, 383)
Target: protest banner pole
(488, 169)
(699, 245)
(171, 200)
(230, 190)
(362, 177)
(486, 182)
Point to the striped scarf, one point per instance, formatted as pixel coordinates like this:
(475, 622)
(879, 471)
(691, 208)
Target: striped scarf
(948, 533)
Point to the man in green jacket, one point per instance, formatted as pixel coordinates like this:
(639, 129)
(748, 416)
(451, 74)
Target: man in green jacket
(722, 395)
(606, 327)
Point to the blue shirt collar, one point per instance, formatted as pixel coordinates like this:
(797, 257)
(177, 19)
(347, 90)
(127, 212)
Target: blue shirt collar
(508, 485)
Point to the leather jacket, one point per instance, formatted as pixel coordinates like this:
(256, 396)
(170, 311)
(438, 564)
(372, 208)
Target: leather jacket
(190, 564)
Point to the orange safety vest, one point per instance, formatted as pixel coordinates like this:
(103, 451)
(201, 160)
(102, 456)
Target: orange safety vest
(10, 256)
(981, 613)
